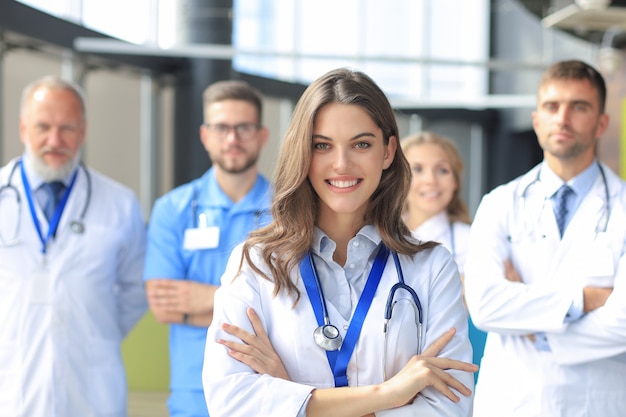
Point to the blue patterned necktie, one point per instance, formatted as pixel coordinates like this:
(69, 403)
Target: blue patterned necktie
(55, 191)
(560, 206)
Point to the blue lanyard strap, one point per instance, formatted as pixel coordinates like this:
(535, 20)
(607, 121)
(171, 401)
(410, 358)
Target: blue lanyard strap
(312, 285)
(54, 222)
(338, 360)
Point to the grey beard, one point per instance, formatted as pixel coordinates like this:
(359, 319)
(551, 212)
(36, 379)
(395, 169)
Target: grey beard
(49, 173)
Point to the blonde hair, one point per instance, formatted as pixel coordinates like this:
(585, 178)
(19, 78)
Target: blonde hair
(456, 209)
(295, 206)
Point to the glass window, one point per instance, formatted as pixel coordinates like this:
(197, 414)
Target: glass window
(415, 49)
(412, 48)
(67, 9)
(123, 19)
(127, 20)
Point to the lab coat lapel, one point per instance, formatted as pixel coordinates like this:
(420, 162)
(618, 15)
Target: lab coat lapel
(588, 215)
(75, 203)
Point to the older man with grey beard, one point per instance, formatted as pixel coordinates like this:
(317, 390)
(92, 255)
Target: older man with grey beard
(71, 252)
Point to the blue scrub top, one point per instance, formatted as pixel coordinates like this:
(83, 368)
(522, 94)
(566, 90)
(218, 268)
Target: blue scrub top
(166, 257)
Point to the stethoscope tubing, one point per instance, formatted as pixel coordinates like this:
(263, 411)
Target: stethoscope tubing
(607, 194)
(400, 285)
(195, 212)
(77, 226)
(14, 239)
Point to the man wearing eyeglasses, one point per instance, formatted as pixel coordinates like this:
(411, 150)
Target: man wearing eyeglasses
(194, 227)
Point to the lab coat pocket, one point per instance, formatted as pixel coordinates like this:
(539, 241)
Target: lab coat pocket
(10, 382)
(594, 265)
(107, 385)
(606, 386)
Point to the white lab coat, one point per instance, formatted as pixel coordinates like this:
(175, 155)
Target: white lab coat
(584, 374)
(233, 389)
(60, 334)
(455, 238)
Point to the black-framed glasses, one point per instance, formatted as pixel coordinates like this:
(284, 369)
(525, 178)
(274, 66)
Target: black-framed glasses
(244, 131)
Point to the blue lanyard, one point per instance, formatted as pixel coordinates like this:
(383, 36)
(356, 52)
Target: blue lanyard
(54, 222)
(338, 360)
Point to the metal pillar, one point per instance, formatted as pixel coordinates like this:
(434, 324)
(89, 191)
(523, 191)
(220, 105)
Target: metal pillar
(198, 21)
(150, 143)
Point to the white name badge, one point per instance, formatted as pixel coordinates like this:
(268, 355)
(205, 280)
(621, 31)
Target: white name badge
(201, 238)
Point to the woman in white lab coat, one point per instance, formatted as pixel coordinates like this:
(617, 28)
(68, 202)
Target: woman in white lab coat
(340, 187)
(434, 209)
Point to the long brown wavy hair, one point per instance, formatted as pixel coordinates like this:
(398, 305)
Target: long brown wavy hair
(295, 206)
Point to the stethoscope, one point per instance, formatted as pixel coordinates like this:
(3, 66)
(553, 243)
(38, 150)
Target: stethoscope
(327, 335)
(452, 240)
(76, 226)
(201, 220)
(603, 221)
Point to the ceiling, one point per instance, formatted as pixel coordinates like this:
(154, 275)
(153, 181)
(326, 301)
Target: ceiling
(567, 16)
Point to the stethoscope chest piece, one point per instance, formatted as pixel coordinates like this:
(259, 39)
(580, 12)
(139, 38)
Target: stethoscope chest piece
(327, 337)
(77, 227)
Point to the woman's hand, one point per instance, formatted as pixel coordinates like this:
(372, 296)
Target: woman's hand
(428, 370)
(256, 351)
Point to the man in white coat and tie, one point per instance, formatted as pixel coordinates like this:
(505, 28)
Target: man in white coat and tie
(546, 269)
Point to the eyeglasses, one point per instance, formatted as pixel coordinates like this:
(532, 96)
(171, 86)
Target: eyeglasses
(244, 131)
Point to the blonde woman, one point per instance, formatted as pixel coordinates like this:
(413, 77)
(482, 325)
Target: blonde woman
(434, 208)
(311, 290)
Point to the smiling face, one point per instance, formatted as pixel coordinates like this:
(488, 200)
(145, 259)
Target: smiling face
(433, 183)
(349, 156)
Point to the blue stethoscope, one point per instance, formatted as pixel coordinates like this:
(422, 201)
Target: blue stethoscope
(327, 335)
(77, 226)
(603, 221)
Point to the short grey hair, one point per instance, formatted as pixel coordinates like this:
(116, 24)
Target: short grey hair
(53, 82)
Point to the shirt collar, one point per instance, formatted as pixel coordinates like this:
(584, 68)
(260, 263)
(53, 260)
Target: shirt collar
(210, 194)
(581, 183)
(322, 244)
(434, 225)
(34, 179)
